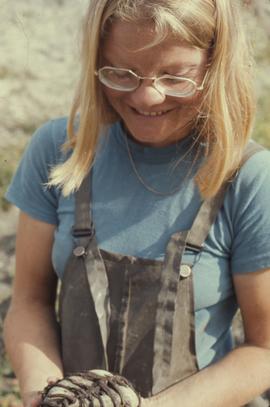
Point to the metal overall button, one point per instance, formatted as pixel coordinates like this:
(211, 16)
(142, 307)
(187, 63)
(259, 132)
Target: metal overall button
(185, 270)
(79, 251)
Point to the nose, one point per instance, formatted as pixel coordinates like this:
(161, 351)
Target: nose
(146, 95)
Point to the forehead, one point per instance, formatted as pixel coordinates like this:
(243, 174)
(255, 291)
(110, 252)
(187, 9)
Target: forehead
(126, 45)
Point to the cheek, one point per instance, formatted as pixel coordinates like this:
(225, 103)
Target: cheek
(113, 104)
(113, 96)
(189, 102)
(190, 106)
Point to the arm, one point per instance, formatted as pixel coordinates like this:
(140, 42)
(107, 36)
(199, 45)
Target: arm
(30, 329)
(245, 372)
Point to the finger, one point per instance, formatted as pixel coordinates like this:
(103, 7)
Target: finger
(35, 402)
(53, 379)
(15, 404)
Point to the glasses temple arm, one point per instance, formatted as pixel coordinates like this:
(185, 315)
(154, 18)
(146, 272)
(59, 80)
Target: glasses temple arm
(204, 80)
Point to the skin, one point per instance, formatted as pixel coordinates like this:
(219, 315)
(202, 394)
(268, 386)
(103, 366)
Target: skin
(30, 330)
(121, 49)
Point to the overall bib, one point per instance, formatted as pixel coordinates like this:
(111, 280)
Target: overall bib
(129, 315)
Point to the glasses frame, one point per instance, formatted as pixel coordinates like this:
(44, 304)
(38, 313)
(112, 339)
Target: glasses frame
(155, 80)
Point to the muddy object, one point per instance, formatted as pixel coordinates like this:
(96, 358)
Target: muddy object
(93, 388)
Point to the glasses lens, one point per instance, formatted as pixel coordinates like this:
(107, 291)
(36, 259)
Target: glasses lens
(177, 86)
(119, 79)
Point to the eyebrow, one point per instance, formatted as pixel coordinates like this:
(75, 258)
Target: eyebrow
(174, 66)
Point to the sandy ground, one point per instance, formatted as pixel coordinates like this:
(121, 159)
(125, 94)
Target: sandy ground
(39, 63)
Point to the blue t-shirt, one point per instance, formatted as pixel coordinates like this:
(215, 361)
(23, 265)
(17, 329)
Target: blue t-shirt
(131, 220)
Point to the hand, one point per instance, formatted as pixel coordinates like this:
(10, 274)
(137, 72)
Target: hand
(32, 399)
(145, 402)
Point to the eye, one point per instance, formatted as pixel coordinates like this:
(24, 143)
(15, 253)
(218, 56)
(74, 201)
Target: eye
(172, 80)
(182, 75)
(186, 73)
(120, 74)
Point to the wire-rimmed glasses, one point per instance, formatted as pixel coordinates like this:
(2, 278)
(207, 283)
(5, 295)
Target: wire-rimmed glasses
(125, 80)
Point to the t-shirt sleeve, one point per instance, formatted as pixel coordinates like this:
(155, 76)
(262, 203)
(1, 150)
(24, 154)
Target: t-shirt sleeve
(250, 208)
(28, 190)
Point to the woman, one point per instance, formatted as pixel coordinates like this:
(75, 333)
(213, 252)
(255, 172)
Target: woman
(150, 282)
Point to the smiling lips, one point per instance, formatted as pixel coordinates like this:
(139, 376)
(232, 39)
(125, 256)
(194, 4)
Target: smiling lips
(151, 114)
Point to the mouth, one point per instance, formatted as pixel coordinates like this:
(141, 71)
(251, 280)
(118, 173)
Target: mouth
(149, 114)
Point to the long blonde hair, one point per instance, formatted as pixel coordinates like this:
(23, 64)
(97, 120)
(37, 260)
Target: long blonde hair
(227, 111)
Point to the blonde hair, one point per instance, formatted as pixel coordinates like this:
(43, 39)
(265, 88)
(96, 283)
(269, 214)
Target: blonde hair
(227, 110)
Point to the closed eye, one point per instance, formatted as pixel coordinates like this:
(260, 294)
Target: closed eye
(190, 73)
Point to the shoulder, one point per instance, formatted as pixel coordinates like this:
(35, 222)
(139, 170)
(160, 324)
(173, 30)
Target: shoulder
(253, 178)
(28, 189)
(246, 207)
(55, 128)
(49, 138)
(256, 168)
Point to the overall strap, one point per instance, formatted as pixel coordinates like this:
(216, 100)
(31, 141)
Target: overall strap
(83, 229)
(167, 308)
(87, 249)
(210, 207)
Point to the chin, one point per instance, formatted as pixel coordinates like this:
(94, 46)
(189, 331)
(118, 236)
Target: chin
(150, 141)
(153, 140)
(153, 137)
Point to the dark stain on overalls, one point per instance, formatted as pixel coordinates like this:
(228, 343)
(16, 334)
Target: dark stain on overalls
(130, 315)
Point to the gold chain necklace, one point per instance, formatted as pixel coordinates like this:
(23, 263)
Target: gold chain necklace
(140, 178)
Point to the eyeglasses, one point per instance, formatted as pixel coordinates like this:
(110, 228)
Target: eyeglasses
(126, 80)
